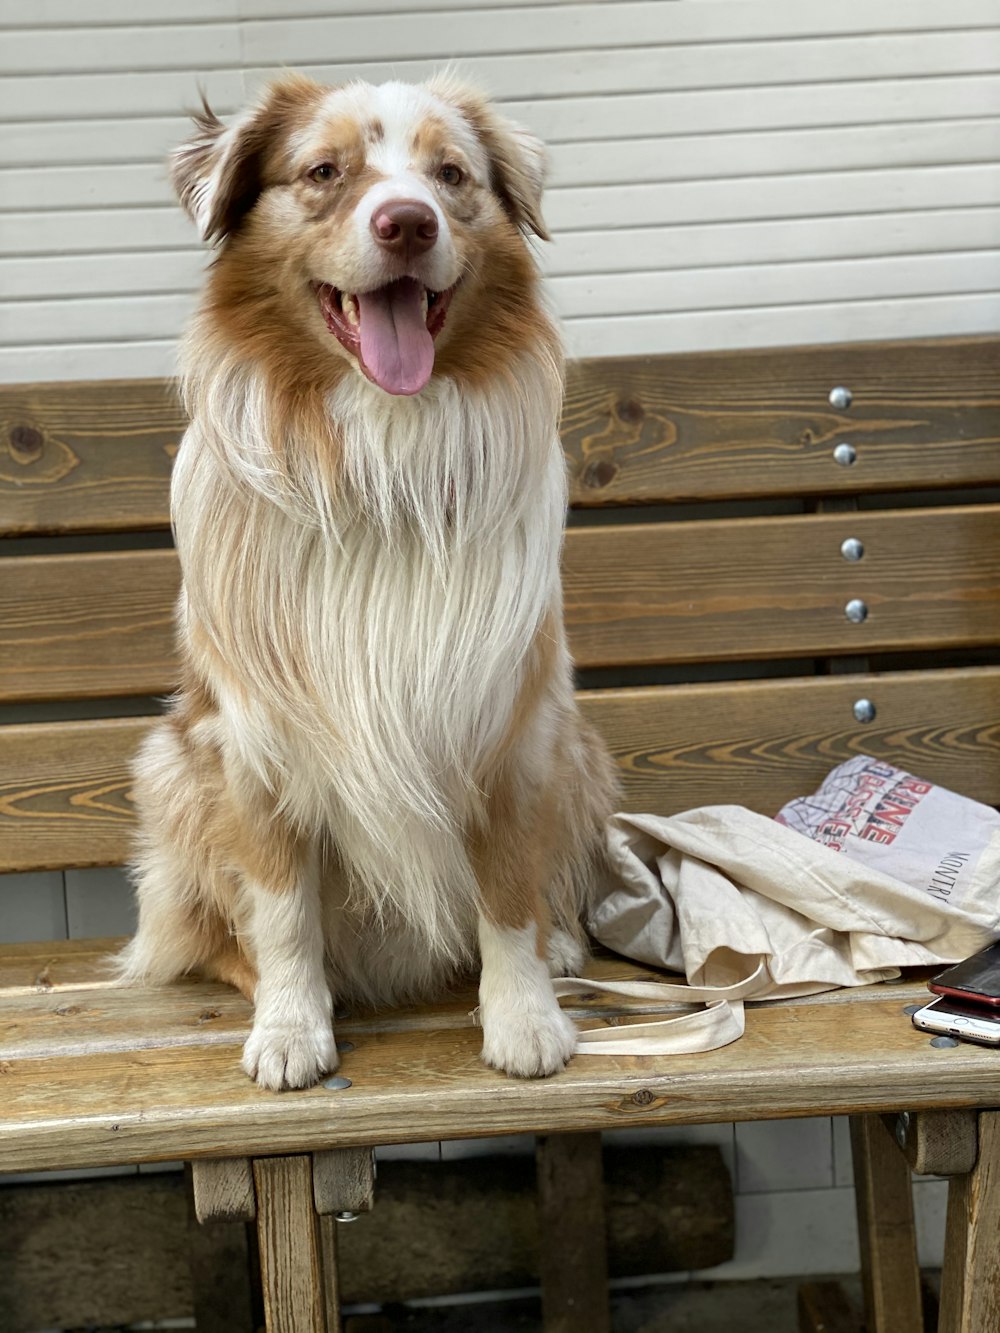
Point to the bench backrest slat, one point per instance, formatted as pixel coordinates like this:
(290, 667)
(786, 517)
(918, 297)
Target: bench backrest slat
(65, 788)
(95, 457)
(98, 625)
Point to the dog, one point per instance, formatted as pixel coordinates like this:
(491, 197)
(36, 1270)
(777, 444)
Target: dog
(374, 774)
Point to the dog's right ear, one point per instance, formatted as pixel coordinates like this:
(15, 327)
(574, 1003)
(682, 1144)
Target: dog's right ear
(219, 172)
(216, 172)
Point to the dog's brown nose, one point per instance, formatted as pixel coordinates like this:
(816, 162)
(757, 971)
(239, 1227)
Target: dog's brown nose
(405, 226)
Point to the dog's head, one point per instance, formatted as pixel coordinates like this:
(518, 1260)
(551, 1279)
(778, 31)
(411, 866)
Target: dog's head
(373, 218)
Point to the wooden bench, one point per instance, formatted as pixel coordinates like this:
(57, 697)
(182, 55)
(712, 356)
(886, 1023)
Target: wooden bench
(728, 510)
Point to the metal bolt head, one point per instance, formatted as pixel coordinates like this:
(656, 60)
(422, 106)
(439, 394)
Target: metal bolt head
(845, 454)
(851, 548)
(864, 710)
(337, 1084)
(346, 1217)
(902, 1127)
(841, 398)
(856, 611)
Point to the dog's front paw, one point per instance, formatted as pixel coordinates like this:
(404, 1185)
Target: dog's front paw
(287, 1055)
(528, 1042)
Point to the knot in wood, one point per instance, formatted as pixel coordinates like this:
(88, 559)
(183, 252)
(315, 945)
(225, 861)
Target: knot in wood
(643, 1097)
(207, 1015)
(26, 443)
(601, 473)
(630, 410)
(66, 1009)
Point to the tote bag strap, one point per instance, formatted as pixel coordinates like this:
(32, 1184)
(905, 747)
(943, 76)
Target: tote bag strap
(721, 1021)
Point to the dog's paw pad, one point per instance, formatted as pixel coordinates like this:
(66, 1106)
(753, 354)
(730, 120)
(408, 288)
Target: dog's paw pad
(282, 1056)
(529, 1043)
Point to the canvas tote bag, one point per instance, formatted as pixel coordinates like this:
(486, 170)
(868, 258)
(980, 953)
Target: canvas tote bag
(876, 871)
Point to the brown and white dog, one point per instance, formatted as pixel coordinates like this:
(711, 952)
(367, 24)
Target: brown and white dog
(374, 772)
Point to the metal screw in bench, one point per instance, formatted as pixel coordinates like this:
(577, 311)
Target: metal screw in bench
(864, 710)
(852, 549)
(337, 1084)
(346, 1217)
(845, 454)
(856, 611)
(902, 1127)
(841, 398)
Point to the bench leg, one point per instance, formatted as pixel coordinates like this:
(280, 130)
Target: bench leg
(886, 1232)
(288, 1236)
(573, 1242)
(970, 1280)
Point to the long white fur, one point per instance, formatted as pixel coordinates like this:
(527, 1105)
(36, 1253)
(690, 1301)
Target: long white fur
(422, 584)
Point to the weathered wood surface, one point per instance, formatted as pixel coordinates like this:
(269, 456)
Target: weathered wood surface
(883, 1193)
(733, 589)
(730, 424)
(938, 1143)
(970, 1280)
(840, 1053)
(344, 1181)
(721, 590)
(65, 793)
(64, 788)
(96, 456)
(573, 1248)
(87, 457)
(288, 1241)
(222, 1190)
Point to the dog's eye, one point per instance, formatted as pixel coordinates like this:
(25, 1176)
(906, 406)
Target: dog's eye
(326, 171)
(450, 174)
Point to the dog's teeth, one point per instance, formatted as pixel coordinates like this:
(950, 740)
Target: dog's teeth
(423, 302)
(350, 307)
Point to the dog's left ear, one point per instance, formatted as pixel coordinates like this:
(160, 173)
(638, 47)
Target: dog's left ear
(518, 160)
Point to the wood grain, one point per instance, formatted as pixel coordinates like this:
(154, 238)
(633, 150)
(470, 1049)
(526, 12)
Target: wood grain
(288, 1238)
(65, 792)
(573, 1250)
(970, 1280)
(344, 1181)
(88, 626)
(222, 1191)
(854, 1051)
(940, 1143)
(95, 457)
(729, 590)
(890, 1273)
(87, 457)
(64, 787)
(724, 425)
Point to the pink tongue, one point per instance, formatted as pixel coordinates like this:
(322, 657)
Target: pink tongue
(396, 347)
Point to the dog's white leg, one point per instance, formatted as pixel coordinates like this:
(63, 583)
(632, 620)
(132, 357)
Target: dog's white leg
(524, 1030)
(291, 1044)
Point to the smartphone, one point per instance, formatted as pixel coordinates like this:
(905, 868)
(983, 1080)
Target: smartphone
(977, 979)
(953, 1018)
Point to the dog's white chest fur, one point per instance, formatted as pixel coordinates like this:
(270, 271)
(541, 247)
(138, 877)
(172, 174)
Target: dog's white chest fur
(401, 606)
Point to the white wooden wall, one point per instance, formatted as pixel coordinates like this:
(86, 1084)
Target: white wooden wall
(725, 173)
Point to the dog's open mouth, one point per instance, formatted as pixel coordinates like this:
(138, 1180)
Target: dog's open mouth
(391, 330)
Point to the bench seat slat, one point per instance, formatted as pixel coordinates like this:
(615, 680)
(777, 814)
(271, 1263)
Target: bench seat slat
(64, 787)
(95, 457)
(88, 626)
(187, 1102)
